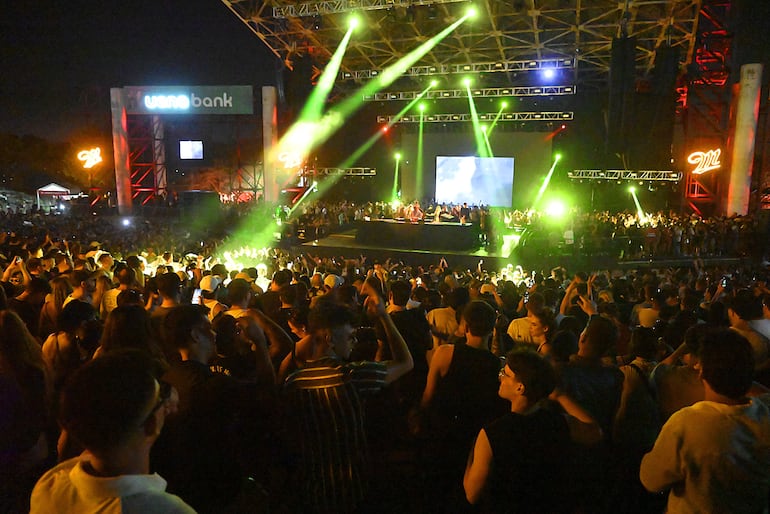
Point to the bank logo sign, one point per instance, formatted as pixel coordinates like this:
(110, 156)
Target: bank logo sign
(189, 100)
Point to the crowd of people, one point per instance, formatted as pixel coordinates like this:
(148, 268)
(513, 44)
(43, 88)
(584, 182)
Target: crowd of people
(136, 374)
(624, 236)
(631, 236)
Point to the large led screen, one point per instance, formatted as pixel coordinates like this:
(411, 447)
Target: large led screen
(475, 180)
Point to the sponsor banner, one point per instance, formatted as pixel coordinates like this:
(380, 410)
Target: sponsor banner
(189, 99)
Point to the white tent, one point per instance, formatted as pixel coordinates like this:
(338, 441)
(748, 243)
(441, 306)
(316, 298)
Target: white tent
(52, 190)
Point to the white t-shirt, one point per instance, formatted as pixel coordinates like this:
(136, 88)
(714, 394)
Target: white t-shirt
(69, 488)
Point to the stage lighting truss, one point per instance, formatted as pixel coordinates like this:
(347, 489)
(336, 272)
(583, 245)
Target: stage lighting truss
(627, 175)
(343, 6)
(457, 118)
(486, 92)
(350, 172)
(481, 67)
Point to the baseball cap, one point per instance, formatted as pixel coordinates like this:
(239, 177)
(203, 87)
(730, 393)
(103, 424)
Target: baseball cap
(331, 281)
(245, 276)
(210, 283)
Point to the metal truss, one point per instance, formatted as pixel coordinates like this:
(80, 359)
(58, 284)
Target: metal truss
(705, 110)
(350, 172)
(479, 67)
(345, 6)
(630, 175)
(144, 166)
(458, 118)
(494, 92)
(505, 31)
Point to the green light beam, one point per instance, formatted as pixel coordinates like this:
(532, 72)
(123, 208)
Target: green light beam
(639, 211)
(503, 105)
(481, 148)
(305, 135)
(485, 133)
(545, 184)
(349, 161)
(420, 134)
(313, 187)
(394, 192)
(313, 107)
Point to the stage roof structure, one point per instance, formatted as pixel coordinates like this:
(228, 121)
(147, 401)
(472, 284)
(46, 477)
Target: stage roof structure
(507, 39)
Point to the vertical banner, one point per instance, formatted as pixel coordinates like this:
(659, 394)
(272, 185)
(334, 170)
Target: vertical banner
(746, 116)
(120, 150)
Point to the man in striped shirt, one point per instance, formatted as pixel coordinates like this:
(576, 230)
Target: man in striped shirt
(325, 404)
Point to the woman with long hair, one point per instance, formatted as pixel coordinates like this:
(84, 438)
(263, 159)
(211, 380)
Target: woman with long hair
(73, 343)
(24, 397)
(129, 326)
(60, 290)
(542, 327)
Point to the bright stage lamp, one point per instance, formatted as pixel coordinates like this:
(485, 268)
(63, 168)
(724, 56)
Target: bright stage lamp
(632, 190)
(433, 83)
(503, 104)
(555, 209)
(421, 107)
(467, 81)
(398, 156)
(354, 22)
(472, 12)
(557, 157)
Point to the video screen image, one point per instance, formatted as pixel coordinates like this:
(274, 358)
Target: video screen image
(475, 180)
(190, 150)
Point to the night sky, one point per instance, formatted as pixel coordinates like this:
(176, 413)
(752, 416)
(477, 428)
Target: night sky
(58, 59)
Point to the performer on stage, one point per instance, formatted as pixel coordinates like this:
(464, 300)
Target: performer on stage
(414, 212)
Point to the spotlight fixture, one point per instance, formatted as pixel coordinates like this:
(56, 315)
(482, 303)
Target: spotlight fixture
(317, 23)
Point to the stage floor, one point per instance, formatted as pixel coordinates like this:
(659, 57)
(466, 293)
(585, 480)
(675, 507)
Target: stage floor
(345, 244)
(337, 244)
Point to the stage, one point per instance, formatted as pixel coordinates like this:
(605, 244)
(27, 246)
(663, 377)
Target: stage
(349, 243)
(405, 235)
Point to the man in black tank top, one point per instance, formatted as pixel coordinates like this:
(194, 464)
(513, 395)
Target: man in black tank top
(460, 397)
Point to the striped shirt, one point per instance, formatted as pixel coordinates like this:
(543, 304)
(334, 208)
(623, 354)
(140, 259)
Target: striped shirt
(324, 400)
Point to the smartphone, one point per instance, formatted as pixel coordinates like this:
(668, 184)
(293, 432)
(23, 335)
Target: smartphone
(197, 299)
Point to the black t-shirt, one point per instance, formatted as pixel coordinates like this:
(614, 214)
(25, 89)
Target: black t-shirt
(415, 329)
(529, 470)
(199, 449)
